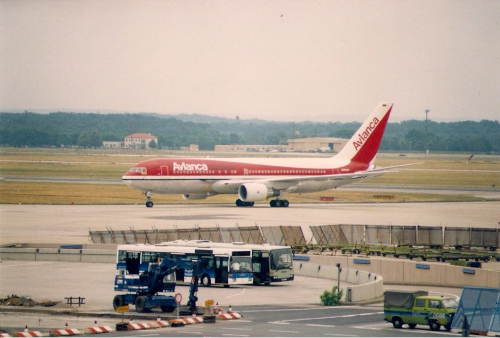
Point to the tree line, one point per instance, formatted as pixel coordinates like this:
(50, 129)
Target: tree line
(90, 130)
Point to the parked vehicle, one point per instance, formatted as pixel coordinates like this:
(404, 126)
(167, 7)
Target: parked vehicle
(418, 308)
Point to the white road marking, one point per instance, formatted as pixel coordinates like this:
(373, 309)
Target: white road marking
(319, 325)
(329, 317)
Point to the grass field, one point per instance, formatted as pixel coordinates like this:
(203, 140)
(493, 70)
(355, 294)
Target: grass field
(434, 171)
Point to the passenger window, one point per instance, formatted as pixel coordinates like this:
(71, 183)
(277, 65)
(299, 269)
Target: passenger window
(420, 303)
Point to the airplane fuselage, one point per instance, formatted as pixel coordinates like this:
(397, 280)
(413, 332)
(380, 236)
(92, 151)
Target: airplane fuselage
(208, 176)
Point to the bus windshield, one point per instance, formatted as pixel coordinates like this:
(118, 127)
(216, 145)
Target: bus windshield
(281, 259)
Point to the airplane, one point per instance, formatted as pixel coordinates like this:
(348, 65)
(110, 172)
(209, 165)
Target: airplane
(258, 179)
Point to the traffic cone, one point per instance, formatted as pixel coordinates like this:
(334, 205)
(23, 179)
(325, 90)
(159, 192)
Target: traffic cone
(66, 326)
(95, 323)
(131, 320)
(26, 328)
(158, 319)
(230, 309)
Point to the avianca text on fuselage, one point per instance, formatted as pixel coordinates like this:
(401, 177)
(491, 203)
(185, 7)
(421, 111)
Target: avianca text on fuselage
(190, 166)
(258, 179)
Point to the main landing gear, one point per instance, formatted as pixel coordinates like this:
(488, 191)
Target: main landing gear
(279, 203)
(274, 203)
(240, 203)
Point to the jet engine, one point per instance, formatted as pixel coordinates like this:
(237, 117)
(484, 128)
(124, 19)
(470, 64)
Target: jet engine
(194, 196)
(252, 192)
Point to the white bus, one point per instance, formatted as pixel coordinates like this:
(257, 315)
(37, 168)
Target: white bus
(270, 263)
(218, 266)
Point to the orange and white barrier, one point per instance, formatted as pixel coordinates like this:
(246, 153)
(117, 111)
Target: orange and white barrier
(65, 332)
(143, 326)
(4, 335)
(228, 316)
(162, 323)
(186, 321)
(29, 334)
(99, 329)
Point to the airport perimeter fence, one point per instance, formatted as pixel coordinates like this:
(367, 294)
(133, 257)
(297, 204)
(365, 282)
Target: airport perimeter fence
(282, 235)
(322, 235)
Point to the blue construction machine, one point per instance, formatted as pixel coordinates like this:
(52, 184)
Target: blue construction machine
(144, 288)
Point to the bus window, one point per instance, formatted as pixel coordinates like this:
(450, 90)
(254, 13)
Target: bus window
(122, 256)
(240, 264)
(281, 259)
(133, 262)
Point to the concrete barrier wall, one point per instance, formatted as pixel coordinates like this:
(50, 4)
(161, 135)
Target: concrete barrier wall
(368, 285)
(58, 255)
(400, 271)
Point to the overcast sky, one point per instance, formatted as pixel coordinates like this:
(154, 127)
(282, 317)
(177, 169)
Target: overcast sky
(274, 60)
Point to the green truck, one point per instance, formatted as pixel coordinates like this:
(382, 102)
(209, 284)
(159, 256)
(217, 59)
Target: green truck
(418, 308)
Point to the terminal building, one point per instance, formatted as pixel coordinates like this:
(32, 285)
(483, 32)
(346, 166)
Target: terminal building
(309, 144)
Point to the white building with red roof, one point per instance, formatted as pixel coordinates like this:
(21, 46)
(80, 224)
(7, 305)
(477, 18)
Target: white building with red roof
(139, 141)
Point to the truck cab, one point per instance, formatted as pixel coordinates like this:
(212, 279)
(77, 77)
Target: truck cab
(418, 308)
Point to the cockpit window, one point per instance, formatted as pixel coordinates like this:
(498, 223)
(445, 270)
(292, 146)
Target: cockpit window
(141, 170)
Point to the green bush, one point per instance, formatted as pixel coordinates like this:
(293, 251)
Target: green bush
(331, 298)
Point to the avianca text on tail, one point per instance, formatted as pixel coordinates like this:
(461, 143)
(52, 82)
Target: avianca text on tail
(257, 179)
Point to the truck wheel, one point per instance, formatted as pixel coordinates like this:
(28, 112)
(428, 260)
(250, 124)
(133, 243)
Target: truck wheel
(140, 304)
(434, 324)
(118, 301)
(397, 323)
(412, 326)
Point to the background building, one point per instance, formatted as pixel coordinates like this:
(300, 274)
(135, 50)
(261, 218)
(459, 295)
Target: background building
(310, 144)
(139, 141)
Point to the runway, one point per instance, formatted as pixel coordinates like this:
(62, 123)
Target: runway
(70, 224)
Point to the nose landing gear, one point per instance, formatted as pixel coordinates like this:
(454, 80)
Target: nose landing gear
(149, 203)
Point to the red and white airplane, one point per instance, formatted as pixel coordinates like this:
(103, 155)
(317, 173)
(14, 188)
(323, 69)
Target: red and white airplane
(257, 179)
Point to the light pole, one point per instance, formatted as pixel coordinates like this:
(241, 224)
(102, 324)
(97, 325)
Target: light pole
(338, 276)
(426, 134)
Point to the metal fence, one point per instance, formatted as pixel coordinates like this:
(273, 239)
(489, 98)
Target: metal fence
(321, 235)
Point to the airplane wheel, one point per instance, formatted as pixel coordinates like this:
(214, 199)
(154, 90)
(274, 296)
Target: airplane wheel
(279, 203)
(286, 203)
(239, 202)
(272, 203)
(149, 204)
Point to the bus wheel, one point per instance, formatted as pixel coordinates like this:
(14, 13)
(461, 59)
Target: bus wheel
(118, 301)
(140, 304)
(205, 280)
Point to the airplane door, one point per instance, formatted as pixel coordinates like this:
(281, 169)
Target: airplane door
(245, 172)
(164, 170)
(221, 267)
